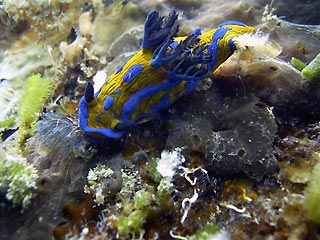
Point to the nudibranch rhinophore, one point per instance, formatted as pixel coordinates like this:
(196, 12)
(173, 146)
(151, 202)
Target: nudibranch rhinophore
(165, 68)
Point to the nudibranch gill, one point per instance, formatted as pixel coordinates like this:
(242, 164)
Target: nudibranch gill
(165, 68)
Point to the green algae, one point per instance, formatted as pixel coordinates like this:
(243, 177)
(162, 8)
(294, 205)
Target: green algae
(36, 91)
(97, 178)
(312, 196)
(7, 123)
(298, 63)
(17, 178)
(207, 232)
(312, 70)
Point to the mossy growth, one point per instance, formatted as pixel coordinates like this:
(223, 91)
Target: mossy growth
(153, 173)
(148, 198)
(312, 196)
(133, 222)
(18, 180)
(98, 179)
(207, 232)
(7, 123)
(36, 91)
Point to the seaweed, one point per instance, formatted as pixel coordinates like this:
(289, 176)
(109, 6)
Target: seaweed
(36, 91)
(18, 180)
(312, 196)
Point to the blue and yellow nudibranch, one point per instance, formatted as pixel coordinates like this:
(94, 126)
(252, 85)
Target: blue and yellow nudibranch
(165, 68)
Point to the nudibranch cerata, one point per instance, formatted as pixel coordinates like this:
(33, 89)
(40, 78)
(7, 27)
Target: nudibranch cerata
(165, 68)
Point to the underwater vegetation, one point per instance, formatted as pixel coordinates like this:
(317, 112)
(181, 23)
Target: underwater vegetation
(18, 180)
(312, 196)
(159, 119)
(36, 91)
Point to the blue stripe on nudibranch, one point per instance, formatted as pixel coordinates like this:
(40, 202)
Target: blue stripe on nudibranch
(104, 131)
(164, 101)
(83, 110)
(174, 44)
(214, 46)
(132, 73)
(97, 119)
(129, 106)
(231, 23)
(196, 31)
(190, 85)
(108, 102)
(117, 91)
(120, 68)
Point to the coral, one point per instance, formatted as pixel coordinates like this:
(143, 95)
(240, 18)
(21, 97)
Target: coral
(312, 196)
(138, 201)
(18, 180)
(72, 53)
(36, 91)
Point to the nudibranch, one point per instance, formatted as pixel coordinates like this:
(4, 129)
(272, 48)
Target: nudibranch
(165, 68)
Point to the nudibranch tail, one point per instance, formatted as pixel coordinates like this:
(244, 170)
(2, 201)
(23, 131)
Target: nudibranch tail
(164, 69)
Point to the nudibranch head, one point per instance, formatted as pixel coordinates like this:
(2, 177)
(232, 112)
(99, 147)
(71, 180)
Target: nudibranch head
(95, 126)
(165, 68)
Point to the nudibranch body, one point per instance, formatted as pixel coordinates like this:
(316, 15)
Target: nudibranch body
(165, 68)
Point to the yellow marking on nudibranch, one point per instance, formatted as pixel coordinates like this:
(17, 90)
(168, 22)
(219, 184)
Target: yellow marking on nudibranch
(165, 68)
